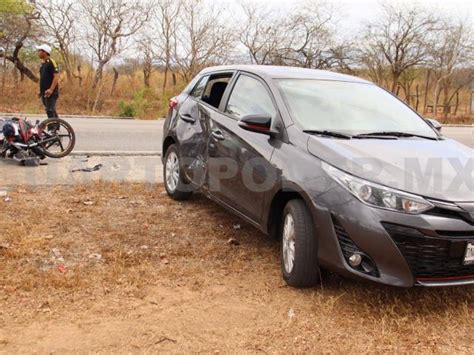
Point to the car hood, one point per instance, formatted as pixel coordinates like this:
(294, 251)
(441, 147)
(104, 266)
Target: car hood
(441, 170)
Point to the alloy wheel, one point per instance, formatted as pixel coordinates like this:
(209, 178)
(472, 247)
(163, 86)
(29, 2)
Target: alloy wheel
(289, 243)
(172, 171)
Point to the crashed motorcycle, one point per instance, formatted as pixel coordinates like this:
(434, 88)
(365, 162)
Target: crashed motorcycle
(29, 143)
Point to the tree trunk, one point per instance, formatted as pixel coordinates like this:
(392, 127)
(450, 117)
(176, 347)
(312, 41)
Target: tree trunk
(97, 98)
(22, 68)
(407, 91)
(165, 79)
(436, 98)
(114, 84)
(446, 108)
(68, 69)
(98, 75)
(471, 103)
(79, 75)
(174, 79)
(146, 75)
(395, 87)
(15, 76)
(425, 99)
(15, 59)
(457, 104)
(417, 97)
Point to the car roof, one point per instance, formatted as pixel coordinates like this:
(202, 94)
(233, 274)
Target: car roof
(282, 72)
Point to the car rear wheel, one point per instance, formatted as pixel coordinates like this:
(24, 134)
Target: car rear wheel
(172, 174)
(299, 257)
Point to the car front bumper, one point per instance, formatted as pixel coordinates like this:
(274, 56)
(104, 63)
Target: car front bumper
(406, 250)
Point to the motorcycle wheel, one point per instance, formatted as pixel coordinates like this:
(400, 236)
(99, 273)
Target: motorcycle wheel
(57, 138)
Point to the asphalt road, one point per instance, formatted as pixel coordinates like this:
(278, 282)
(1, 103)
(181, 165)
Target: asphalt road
(123, 135)
(117, 135)
(464, 135)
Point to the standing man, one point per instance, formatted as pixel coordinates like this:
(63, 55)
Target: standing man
(49, 80)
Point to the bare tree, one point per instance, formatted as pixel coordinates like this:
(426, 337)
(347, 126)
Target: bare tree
(114, 82)
(305, 37)
(261, 33)
(400, 35)
(112, 22)
(202, 38)
(308, 36)
(406, 82)
(452, 50)
(166, 23)
(373, 61)
(146, 46)
(59, 20)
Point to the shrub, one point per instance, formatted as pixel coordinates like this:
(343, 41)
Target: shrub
(127, 109)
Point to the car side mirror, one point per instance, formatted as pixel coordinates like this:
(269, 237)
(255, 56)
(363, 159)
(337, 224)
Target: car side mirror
(434, 123)
(260, 123)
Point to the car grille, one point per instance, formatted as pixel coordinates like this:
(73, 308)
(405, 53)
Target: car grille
(442, 212)
(430, 257)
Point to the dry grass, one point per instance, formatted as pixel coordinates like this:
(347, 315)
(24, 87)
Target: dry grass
(151, 103)
(167, 280)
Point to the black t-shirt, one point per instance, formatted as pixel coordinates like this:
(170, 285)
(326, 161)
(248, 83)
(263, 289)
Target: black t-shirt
(47, 71)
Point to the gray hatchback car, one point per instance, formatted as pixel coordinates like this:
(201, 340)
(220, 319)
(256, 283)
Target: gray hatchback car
(349, 178)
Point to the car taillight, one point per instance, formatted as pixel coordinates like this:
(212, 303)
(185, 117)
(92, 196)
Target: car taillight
(173, 103)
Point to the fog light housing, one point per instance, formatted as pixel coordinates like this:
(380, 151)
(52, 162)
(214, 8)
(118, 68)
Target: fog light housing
(355, 260)
(355, 257)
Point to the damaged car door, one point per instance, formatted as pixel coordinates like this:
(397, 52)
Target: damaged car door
(191, 130)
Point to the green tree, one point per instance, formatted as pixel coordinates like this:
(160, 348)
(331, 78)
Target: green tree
(17, 27)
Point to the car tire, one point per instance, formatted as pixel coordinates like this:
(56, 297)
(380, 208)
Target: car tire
(173, 176)
(299, 252)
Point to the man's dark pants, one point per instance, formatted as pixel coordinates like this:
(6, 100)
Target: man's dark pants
(50, 105)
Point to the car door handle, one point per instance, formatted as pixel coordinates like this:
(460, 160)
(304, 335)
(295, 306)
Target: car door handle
(217, 134)
(186, 117)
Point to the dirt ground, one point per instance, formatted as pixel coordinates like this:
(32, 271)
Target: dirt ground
(122, 268)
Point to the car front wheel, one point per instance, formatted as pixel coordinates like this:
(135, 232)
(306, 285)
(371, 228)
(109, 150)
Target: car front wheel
(172, 174)
(299, 257)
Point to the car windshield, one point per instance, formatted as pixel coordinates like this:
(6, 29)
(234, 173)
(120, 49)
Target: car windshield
(349, 107)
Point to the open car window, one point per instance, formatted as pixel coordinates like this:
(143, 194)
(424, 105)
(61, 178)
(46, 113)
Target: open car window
(215, 88)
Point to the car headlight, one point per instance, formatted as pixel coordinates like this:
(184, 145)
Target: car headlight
(378, 195)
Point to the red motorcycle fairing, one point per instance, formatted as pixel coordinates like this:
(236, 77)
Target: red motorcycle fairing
(25, 131)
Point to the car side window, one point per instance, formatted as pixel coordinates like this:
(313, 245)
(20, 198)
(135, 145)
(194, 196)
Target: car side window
(215, 89)
(249, 97)
(199, 88)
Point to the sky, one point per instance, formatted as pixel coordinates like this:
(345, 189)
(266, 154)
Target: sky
(360, 10)
(353, 13)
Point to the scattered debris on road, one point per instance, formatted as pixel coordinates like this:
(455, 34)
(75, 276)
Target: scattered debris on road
(88, 170)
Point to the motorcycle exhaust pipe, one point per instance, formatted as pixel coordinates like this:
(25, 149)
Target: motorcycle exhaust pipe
(23, 146)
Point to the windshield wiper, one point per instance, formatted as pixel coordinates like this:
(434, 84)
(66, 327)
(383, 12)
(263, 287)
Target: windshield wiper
(392, 134)
(328, 133)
